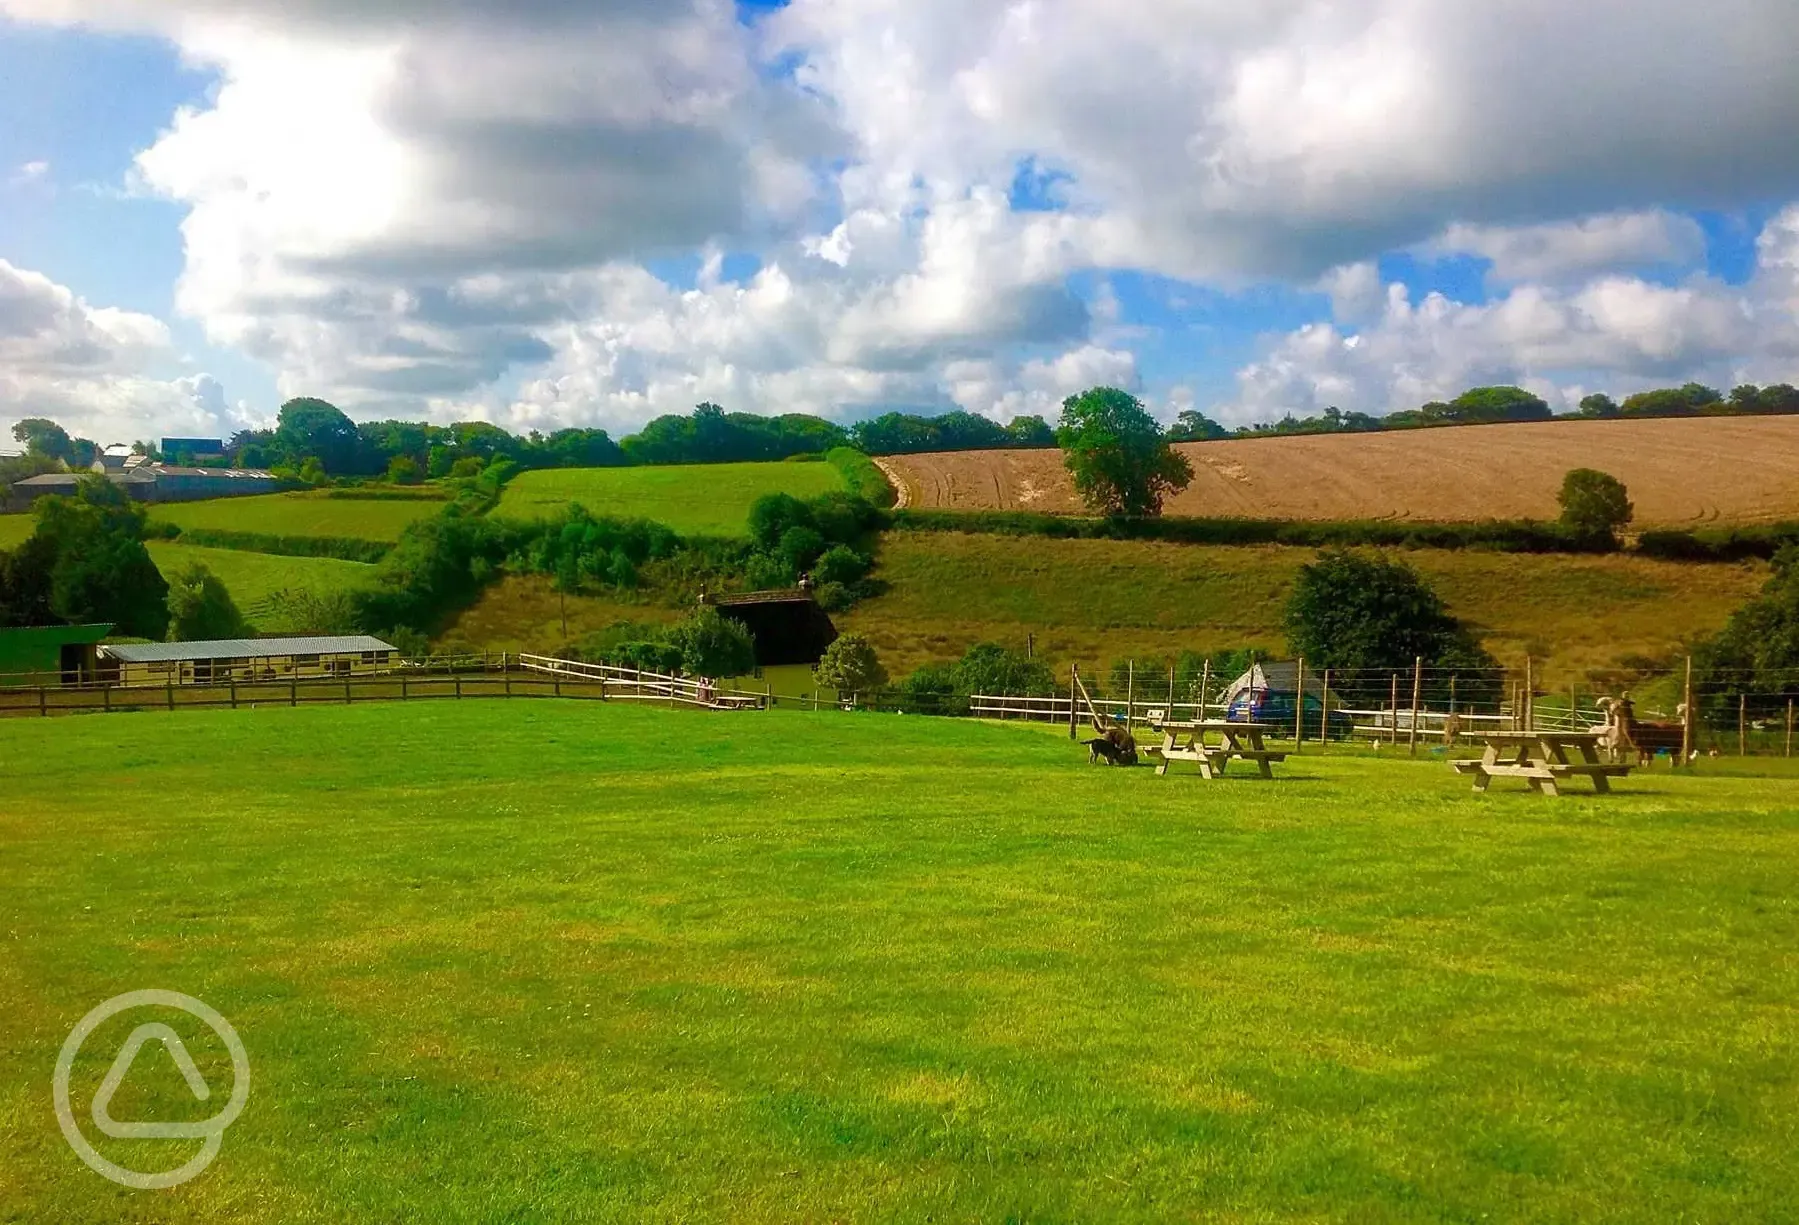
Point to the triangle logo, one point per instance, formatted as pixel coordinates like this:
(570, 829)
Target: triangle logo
(121, 1066)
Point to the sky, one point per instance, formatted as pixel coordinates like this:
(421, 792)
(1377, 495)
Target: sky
(546, 213)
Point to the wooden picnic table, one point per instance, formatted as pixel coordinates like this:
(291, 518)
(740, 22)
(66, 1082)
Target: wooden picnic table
(1541, 759)
(1191, 741)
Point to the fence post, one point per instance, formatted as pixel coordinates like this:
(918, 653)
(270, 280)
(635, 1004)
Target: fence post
(403, 693)
(1205, 687)
(106, 697)
(1130, 692)
(1324, 714)
(1742, 725)
(1074, 670)
(234, 695)
(1417, 693)
(1393, 712)
(171, 693)
(559, 686)
(1686, 718)
(1530, 696)
(1789, 748)
(1299, 703)
(458, 679)
(293, 691)
(508, 676)
(43, 705)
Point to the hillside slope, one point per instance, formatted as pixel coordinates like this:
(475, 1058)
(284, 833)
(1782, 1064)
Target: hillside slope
(1681, 472)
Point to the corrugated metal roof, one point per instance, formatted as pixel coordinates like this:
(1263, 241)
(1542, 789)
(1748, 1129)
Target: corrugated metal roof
(242, 648)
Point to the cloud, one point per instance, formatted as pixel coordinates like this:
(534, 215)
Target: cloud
(1570, 250)
(92, 368)
(30, 174)
(1619, 332)
(491, 207)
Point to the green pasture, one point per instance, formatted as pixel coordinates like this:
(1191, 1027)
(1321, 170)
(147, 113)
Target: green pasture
(555, 961)
(693, 499)
(14, 529)
(252, 577)
(301, 514)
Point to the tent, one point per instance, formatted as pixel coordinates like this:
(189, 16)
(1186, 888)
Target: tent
(1266, 694)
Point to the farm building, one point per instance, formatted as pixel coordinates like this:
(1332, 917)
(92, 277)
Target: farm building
(148, 482)
(244, 659)
(1266, 694)
(789, 627)
(50, 655)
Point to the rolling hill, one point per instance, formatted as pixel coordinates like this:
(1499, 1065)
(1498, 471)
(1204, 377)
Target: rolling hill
(693, 499)
(1680, 472)
(302, 514)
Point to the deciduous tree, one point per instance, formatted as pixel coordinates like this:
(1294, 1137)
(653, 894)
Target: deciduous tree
(1120, 462)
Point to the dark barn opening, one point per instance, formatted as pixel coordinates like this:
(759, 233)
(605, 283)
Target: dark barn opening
(789, 627)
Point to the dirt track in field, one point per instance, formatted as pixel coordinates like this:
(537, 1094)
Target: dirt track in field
(1681, 473)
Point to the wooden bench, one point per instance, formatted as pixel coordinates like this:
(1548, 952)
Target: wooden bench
(1540, 758)
(1187, 742)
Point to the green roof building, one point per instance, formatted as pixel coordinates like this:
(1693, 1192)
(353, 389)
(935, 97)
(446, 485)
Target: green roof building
(49, 655)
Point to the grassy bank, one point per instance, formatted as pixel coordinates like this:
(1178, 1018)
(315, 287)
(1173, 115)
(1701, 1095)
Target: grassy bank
(302, 514)
(489, 964)
(1093, 601)
(693, 499)
(253, 577)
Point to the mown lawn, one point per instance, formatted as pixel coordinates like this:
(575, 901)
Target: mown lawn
(1093, 601)
(252, 577)
(302, 514)
(14, 528)
(541, 961)
(693, 499)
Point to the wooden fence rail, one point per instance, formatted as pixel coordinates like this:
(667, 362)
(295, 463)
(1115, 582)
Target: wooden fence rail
(522, 677)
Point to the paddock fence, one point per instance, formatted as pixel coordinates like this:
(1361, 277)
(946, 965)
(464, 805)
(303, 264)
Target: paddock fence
(454, 677)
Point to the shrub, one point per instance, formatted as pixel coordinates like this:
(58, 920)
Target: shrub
(801, 546)
(850, 665)
(934, 689)
(773, 515)
(840, 564)
(993, 669)
(403, 470)
(201, 609)
(714, 645)
(833, 597)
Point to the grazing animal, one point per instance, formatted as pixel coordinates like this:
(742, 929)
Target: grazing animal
(1624, 733)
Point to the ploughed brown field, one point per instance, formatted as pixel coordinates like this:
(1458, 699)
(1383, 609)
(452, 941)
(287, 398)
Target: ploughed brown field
(1680, 472)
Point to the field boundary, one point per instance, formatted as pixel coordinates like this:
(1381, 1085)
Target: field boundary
(454, 677)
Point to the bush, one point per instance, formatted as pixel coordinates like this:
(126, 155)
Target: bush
(773, 515)
(850, 665)
(341, 547)
(993, 669)
(934, 689)
(834, 597)
(801, 546)
(840, 564)
(202, 610)
(714, 645)
(403, 470)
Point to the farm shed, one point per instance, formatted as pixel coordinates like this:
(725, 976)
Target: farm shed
(1266, 694)
(245, 659)
(50, 655)
(789, 627)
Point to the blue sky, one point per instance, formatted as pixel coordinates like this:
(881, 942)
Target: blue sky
(893, 207)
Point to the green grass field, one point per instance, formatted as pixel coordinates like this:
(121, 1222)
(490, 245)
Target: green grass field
(14, 529)
(301, 514)
(541, 961)
(694, 499)
(252, 577)
(1092, 601)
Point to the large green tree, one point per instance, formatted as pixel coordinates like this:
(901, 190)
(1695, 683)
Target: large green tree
(850, 665)
(1117, 455)
(1595, 505)
(44, 437)
(715, 645)
(86, 562)
(1368, 614)
(1756, 654)
(308, 428)
(202, 610)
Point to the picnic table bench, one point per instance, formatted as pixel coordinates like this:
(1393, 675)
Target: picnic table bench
(1190, 741)
(1541, 759)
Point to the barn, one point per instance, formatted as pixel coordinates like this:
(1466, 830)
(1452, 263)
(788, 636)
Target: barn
(245, 659)
(788, 625)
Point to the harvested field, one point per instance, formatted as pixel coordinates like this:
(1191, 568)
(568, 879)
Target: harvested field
(1681, 473)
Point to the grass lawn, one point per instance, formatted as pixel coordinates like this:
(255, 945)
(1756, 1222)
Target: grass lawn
(694, 499)
(541, 961)
(1092, 601)
(302, 514)
(251, 577)
(15, 528)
